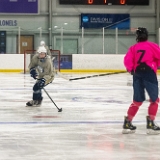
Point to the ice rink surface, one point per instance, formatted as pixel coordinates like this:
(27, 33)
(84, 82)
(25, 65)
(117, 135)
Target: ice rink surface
(88, 128)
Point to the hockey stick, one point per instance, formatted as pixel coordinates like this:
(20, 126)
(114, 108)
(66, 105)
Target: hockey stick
(105, 74)
(62, 76)
(59, 109)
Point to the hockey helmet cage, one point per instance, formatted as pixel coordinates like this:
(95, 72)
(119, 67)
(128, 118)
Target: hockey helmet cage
(141, 34)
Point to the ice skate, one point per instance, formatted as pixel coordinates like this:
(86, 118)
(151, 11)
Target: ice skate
(34, 103)
(128, 128)
(151, 127)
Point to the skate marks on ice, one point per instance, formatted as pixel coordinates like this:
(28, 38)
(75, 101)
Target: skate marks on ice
(91, 121)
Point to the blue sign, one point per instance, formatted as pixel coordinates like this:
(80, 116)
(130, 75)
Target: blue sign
(107, 21)
(19, 6)
(65, 61)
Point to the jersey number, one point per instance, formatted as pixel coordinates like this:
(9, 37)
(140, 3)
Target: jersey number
(141, 56)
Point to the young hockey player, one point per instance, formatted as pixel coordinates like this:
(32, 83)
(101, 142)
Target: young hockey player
(41, 69)
(142, 61)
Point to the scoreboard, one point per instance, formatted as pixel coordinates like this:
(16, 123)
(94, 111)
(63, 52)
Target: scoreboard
(104, 2)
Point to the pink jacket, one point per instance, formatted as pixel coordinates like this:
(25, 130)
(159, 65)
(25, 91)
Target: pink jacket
(147, 52)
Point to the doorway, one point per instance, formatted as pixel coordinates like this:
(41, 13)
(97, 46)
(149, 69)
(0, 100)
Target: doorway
(26, 43)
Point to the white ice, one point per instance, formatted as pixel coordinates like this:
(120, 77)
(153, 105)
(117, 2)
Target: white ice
(88, 128)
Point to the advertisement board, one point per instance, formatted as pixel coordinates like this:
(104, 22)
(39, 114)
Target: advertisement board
(111, 21)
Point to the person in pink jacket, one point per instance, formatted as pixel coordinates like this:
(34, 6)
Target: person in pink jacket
(142, 61)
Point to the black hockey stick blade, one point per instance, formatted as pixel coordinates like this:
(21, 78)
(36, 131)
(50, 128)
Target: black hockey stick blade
(105, 74)
(60, 110)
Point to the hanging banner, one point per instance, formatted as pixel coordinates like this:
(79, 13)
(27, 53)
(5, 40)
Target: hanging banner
(19, 6)
(108, 21)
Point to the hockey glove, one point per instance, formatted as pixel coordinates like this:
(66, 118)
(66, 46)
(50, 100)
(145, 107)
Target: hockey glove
(41, 83)
(33, 73)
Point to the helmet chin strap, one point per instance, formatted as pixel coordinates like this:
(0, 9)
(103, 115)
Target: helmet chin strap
(42, 59)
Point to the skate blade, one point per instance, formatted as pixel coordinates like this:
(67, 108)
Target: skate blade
(34, 106)
(128, 131)
(152, 132)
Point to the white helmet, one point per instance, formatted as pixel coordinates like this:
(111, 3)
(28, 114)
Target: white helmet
(42, 43)
(42, 49)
